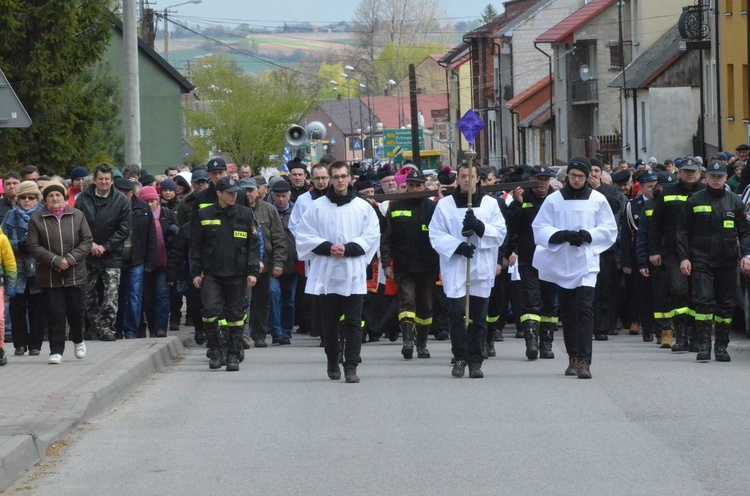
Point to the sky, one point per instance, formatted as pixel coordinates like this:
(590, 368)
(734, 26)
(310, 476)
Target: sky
(275, 12)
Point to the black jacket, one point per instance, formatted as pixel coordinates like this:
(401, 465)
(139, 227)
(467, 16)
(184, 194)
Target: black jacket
(143, 235)
(406, 240)
(644, 225)
(109, 220)
(712, 223)
(225, 242)
(178, 256)
(629, 225)
(668, 209)
(518, 218)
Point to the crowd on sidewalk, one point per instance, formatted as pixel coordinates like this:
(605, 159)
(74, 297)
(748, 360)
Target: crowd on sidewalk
(657, 248)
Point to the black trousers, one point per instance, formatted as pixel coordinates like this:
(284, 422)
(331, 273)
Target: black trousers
(539, 297)
(61, 304)
(259, 306)
(679, 286)
(22, 305)
(193, 297)
(332, 307)
(661, 302)
(466, 344)
(223, 297)
(440, 307)
(605, 301)
(415, 296)
(577, 314)
(713, 291)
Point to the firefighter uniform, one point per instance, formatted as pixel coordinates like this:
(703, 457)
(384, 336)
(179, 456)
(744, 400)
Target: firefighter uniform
(707, 242)
(668, 209)
(539, 314)
(225, 251)
(406, 242)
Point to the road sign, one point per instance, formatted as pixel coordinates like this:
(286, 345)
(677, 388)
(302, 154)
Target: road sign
(357, 145)
(333, 141)
(12, 113)
(399, 138)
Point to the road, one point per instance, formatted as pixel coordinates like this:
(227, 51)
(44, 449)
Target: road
(649, 422)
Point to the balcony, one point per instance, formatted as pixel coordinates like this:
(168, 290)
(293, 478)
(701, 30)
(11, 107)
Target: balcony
(583, 92)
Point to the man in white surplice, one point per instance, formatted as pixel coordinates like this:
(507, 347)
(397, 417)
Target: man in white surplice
(339, 234)
(451, 223)
(573, 226)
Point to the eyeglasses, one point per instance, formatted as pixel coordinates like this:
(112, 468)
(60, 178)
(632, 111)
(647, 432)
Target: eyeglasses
(577, 176)
(27, 197)
(340, 178)
(321, 178)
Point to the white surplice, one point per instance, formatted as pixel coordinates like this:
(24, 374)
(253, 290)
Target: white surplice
(570, 266)
(445, 237)
(323, 221)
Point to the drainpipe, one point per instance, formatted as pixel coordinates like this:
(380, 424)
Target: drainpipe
(718, 75)
(635, 123)
(551, 105)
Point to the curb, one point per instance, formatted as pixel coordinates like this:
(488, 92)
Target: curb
(19, 453)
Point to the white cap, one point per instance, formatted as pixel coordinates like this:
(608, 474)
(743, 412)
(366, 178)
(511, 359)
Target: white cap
(652, 160)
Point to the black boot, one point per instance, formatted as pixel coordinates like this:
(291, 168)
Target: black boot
(422, 333)
(491, 346)
(704, 341)
(531, 335)
(680, 340)
(692, 334)
(546, 336)
(407, 330)
(350, 374)
(234, 347)
(224, 344)
(334, 371)
(214, 347)
(721, 342)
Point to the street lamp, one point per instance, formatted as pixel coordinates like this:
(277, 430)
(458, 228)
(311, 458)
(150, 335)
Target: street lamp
(392, 83)
(166, 25)
(369, 110)
(351, 125)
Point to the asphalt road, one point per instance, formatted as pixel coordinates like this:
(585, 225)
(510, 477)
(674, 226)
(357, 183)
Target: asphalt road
(648, 423)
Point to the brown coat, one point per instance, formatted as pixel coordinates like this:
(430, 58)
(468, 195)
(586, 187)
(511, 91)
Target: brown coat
(50, 240)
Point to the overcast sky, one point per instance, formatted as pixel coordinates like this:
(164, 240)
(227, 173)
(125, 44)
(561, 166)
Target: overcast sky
(275, 12)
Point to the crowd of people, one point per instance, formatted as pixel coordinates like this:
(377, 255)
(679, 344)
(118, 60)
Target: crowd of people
(653, 249)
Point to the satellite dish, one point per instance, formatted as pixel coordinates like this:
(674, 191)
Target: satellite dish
(585, 73)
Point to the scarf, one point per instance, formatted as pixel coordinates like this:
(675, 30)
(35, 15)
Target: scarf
(25, 215)
(58, 214)
(161, 250)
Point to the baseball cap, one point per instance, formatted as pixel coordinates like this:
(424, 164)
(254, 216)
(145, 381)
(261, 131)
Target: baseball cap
(416, 176)
(542, 171)
(199, 175)
(248, 183)
(717, 169)
(227, 185)
(690, 164)
(216, 164)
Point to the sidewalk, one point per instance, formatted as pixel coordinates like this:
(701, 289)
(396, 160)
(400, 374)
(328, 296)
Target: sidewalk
(43, 403)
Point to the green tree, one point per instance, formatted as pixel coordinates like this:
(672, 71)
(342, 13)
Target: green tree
(489, 13)
(244, 116)
(49, 51)
(393, 61)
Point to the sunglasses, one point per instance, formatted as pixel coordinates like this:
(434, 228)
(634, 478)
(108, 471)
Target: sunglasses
(28, 197)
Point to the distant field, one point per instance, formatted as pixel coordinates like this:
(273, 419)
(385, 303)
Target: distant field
(281, 48)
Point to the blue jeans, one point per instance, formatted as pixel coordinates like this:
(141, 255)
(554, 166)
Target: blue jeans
(156, 300)
(281, 305)
(131, 299)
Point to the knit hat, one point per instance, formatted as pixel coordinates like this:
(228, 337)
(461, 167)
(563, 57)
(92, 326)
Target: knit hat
(581, 163)
(168, 184)
(54, 186)
(28, 188)
(78, 173)
(148, 193)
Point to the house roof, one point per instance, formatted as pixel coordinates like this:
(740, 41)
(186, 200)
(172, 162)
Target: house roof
(387, 108)
(563, 31)
(651, 63)
(457, 52)
(537, 118)
(349, 114)
(185, 85)
(507, 30)
(512, 10)
(532, 90)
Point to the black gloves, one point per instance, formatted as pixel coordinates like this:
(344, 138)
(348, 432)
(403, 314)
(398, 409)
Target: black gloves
(472, 225)
(575, 238)
(465, 250)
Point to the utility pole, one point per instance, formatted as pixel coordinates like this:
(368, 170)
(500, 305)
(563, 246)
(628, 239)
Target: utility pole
(166, 35)
(148, 29)
(414, 116)
(131, 97)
